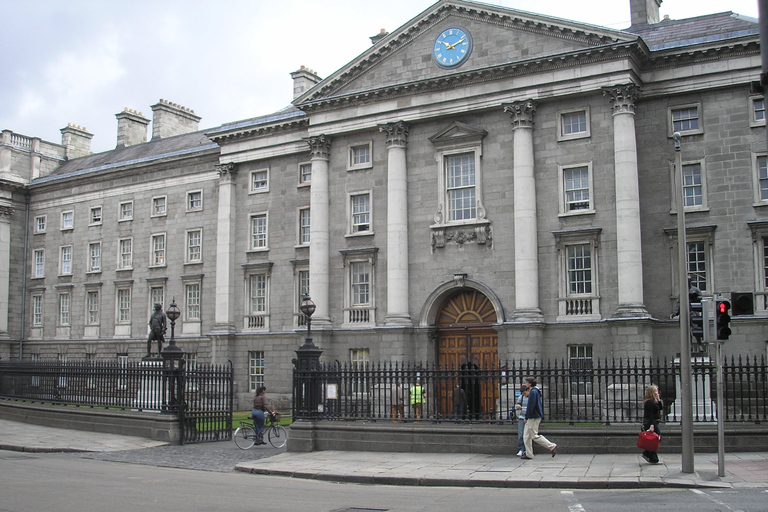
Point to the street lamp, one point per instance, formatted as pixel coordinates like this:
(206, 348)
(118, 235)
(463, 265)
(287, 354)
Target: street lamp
(308, 402)
(173, 314)
(308, 308)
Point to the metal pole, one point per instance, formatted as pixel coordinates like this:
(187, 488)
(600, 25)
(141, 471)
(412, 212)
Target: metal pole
(720, 412)
(686, 419)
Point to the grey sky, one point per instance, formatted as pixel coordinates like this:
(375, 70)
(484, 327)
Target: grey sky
(83, 61)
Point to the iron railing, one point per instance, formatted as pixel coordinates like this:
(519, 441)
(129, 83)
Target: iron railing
(605, 391)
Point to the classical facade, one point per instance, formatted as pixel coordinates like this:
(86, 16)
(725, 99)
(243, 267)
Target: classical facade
(481, 184)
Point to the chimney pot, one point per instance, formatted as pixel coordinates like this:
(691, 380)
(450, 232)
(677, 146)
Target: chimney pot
(303, 80)
(169, 119)
(76, 141)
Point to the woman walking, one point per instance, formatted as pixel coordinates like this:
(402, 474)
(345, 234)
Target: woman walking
(652, 407)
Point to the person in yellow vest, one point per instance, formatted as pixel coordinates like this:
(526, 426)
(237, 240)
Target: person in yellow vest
(418, 395)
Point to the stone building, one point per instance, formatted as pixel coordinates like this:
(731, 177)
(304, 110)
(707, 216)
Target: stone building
(481, 184)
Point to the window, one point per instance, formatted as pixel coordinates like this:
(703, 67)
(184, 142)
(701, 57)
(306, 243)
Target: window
(760, 173)
(757, 117)
(257, 276)
(580, 369)
(65, 260)
(360, 156)
(157, 258)
(37, 311)
(192, 294)
(360, 360)
(302, 290)
(195, 201)
(259, 231)
(124, 305)
(40, 222)
(305, 173)
(576, 189)
(125, 211)
(694, 186)
(573, 124)
(685, 119)
(38, 263)
(579, 295)
(460, 180)
(64, 309)
(579, 269)
(92, 308)
(95, 216)
(159, 206)
(156, 296)
(360, 213)
(358, 295)
(125, 254)
(255, 370)
(259, 181)
(360, 278)
(94, 257)
(195, 246)
(67, 220)
(697, 264)
(698, 253)
(304, 226)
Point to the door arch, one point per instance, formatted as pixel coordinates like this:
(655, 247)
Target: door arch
(467, 344)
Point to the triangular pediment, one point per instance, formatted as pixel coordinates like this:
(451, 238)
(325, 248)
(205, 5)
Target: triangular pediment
(456, 133)
(500, 37)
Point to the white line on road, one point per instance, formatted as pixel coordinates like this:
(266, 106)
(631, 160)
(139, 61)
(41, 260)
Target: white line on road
(570, 499)
(712, 498)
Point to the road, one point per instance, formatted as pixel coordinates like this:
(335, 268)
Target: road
(61, 483)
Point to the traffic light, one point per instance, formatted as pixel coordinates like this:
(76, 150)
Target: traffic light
(722, 320)
(743, 303)
(697, 321)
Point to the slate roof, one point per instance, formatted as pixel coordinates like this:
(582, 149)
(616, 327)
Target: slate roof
(694, 31)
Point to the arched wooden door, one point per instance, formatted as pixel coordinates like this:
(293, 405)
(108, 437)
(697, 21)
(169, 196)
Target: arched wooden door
(468, 346)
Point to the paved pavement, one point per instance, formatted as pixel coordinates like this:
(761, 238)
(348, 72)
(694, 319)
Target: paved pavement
(618, 471)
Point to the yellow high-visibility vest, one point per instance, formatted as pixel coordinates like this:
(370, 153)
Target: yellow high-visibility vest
(417, 395)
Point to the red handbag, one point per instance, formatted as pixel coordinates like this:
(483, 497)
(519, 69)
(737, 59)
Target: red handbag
(649, 441)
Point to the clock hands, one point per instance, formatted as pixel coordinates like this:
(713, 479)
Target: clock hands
(450, 46)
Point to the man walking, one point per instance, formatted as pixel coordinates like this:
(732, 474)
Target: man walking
(533, 416)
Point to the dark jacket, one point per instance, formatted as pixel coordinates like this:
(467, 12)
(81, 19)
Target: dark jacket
(652, 413)
(535, 405)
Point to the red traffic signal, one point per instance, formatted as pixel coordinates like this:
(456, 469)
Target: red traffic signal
(722, 320)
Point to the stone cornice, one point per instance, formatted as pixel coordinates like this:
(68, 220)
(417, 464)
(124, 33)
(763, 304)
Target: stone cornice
(255, 131)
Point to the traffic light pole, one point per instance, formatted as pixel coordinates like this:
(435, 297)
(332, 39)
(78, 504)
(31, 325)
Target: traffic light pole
(686, 417)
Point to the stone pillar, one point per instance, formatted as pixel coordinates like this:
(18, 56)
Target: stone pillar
(397, 225)
(6, 212)
(526, 227)
(225, 250)
(628, 244)
(319, 229)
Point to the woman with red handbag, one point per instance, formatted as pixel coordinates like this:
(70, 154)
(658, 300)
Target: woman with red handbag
(652, 407)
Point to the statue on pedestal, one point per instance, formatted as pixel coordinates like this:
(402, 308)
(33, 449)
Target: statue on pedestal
(157, 328)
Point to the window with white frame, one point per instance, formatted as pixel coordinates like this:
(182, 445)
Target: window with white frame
(156, 296)
(257, 277)
(760, 247)
(94, 257)
(96, 217)
(157, 245)
(360, 156)
(259, 181)
(757, 111)
(360, 361)
(125, 254)
(159, 206)
(38, 263)
(358, 297)
(37, 310)
(580, 369)
(460, 187)
(92, 307)
(694, 179)
(697, 256)
(64, 302)
(575, 184)
(255, 370)
(698, 253)
(259, 231)
(579, 297)
(194, 246)
(359, 213)
(195, 201)
(65, 260)
(40, 223)
(192, 302)
(760, 178)
(573, 124)
(685, 119)
(125, 211)
(67, 220)
(123, 306)
(301, 273)
(305, 173)
(304, 220)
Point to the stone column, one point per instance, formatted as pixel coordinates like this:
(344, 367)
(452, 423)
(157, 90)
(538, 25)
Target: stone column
(628, 244)
(225, 250)
(5, 265)
(319, 230)
(397, 224)
(525, 225)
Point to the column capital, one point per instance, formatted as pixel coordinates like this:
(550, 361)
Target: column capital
(6, 211)
(522, 113)
(227, 172)
(622, 97)
(397, 133)
(319, 147)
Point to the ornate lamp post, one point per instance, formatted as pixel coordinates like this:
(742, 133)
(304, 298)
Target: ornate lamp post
(173, 314)
(307, 363)
(308, 308)
(173, 364)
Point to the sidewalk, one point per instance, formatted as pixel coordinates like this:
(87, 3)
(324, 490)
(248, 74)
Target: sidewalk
(616, 471)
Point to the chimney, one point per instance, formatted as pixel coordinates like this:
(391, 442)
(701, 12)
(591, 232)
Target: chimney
(644, 12)
(378, 37)
(169, 119)
(76, 141)
(131, 128)
(303, 80)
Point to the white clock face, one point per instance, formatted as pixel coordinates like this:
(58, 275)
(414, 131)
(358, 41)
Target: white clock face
(452, 47)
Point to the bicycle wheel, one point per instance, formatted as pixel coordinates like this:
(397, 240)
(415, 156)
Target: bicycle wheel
(277, 436)
(244, 437)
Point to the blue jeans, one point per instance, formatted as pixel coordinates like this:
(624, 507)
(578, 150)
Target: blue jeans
(520, 430)
(258, 420)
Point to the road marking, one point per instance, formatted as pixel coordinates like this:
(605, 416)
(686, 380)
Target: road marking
(570, 499)
(712, 498)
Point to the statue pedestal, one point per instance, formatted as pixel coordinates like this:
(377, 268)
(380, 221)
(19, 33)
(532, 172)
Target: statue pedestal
(150, 393)
(704, 408)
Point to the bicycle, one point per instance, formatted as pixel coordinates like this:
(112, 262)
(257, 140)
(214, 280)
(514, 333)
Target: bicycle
(245, 436)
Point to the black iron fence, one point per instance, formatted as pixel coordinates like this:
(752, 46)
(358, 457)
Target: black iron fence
(201, 394)
(585, 391)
